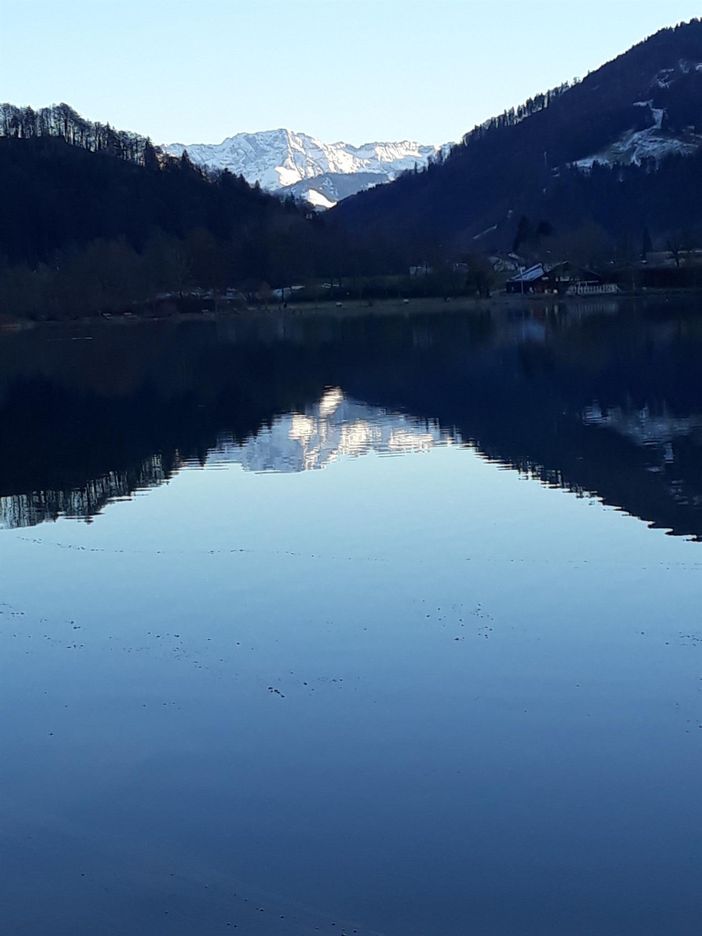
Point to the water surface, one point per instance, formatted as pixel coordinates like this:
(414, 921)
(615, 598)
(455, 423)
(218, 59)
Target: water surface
(387, 626)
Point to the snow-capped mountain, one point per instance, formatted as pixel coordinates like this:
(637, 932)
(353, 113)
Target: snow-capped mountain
(279, 159)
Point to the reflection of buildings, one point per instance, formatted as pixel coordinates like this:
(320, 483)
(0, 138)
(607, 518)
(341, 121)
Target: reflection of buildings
(333, 428)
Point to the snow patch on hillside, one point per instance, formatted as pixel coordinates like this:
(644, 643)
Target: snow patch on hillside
(317, 200)
(666, 77)
(636, 146)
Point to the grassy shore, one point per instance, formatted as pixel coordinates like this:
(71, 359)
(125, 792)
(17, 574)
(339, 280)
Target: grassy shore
(360, 308)
(354, 308)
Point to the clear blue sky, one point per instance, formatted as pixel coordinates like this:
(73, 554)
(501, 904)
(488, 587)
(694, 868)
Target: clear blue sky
(357, 70)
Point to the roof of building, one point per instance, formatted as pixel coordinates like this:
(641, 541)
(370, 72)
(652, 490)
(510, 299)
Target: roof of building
(528, 276)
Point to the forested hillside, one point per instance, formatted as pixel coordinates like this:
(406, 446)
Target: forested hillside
(96, 218)
(609, 150)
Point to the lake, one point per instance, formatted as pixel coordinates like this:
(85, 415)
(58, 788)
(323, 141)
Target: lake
(384, 625)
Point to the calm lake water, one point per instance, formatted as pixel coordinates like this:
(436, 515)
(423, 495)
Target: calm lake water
(377, 626)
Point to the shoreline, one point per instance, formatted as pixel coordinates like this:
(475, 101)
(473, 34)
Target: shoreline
(356, 308)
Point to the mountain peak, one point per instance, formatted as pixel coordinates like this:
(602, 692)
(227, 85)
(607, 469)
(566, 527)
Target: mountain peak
(281, 158)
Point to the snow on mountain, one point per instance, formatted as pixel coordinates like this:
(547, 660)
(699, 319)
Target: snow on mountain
(280, 158)
(654, 142)
(658, 140)
(318, 199)
(331, 187)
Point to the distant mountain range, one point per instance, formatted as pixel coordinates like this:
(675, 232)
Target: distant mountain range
(322, 173)
(620, 150)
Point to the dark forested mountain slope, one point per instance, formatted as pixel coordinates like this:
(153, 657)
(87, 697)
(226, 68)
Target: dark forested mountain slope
(54, 194)
(611, 149)
(94, 219)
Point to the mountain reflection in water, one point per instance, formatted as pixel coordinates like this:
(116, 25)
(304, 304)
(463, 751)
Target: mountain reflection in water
(334, 427)
(605, 405)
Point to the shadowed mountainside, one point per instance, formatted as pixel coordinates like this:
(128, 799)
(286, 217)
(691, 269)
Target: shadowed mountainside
(619, 150)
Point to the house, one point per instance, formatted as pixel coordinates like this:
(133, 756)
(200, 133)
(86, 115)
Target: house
(535, 280)
(421, 269)
(573, 280)
(284, 293)
(560, 279)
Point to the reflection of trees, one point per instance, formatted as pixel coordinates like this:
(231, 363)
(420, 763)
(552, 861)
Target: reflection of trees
(84, 422)
(22, 510)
